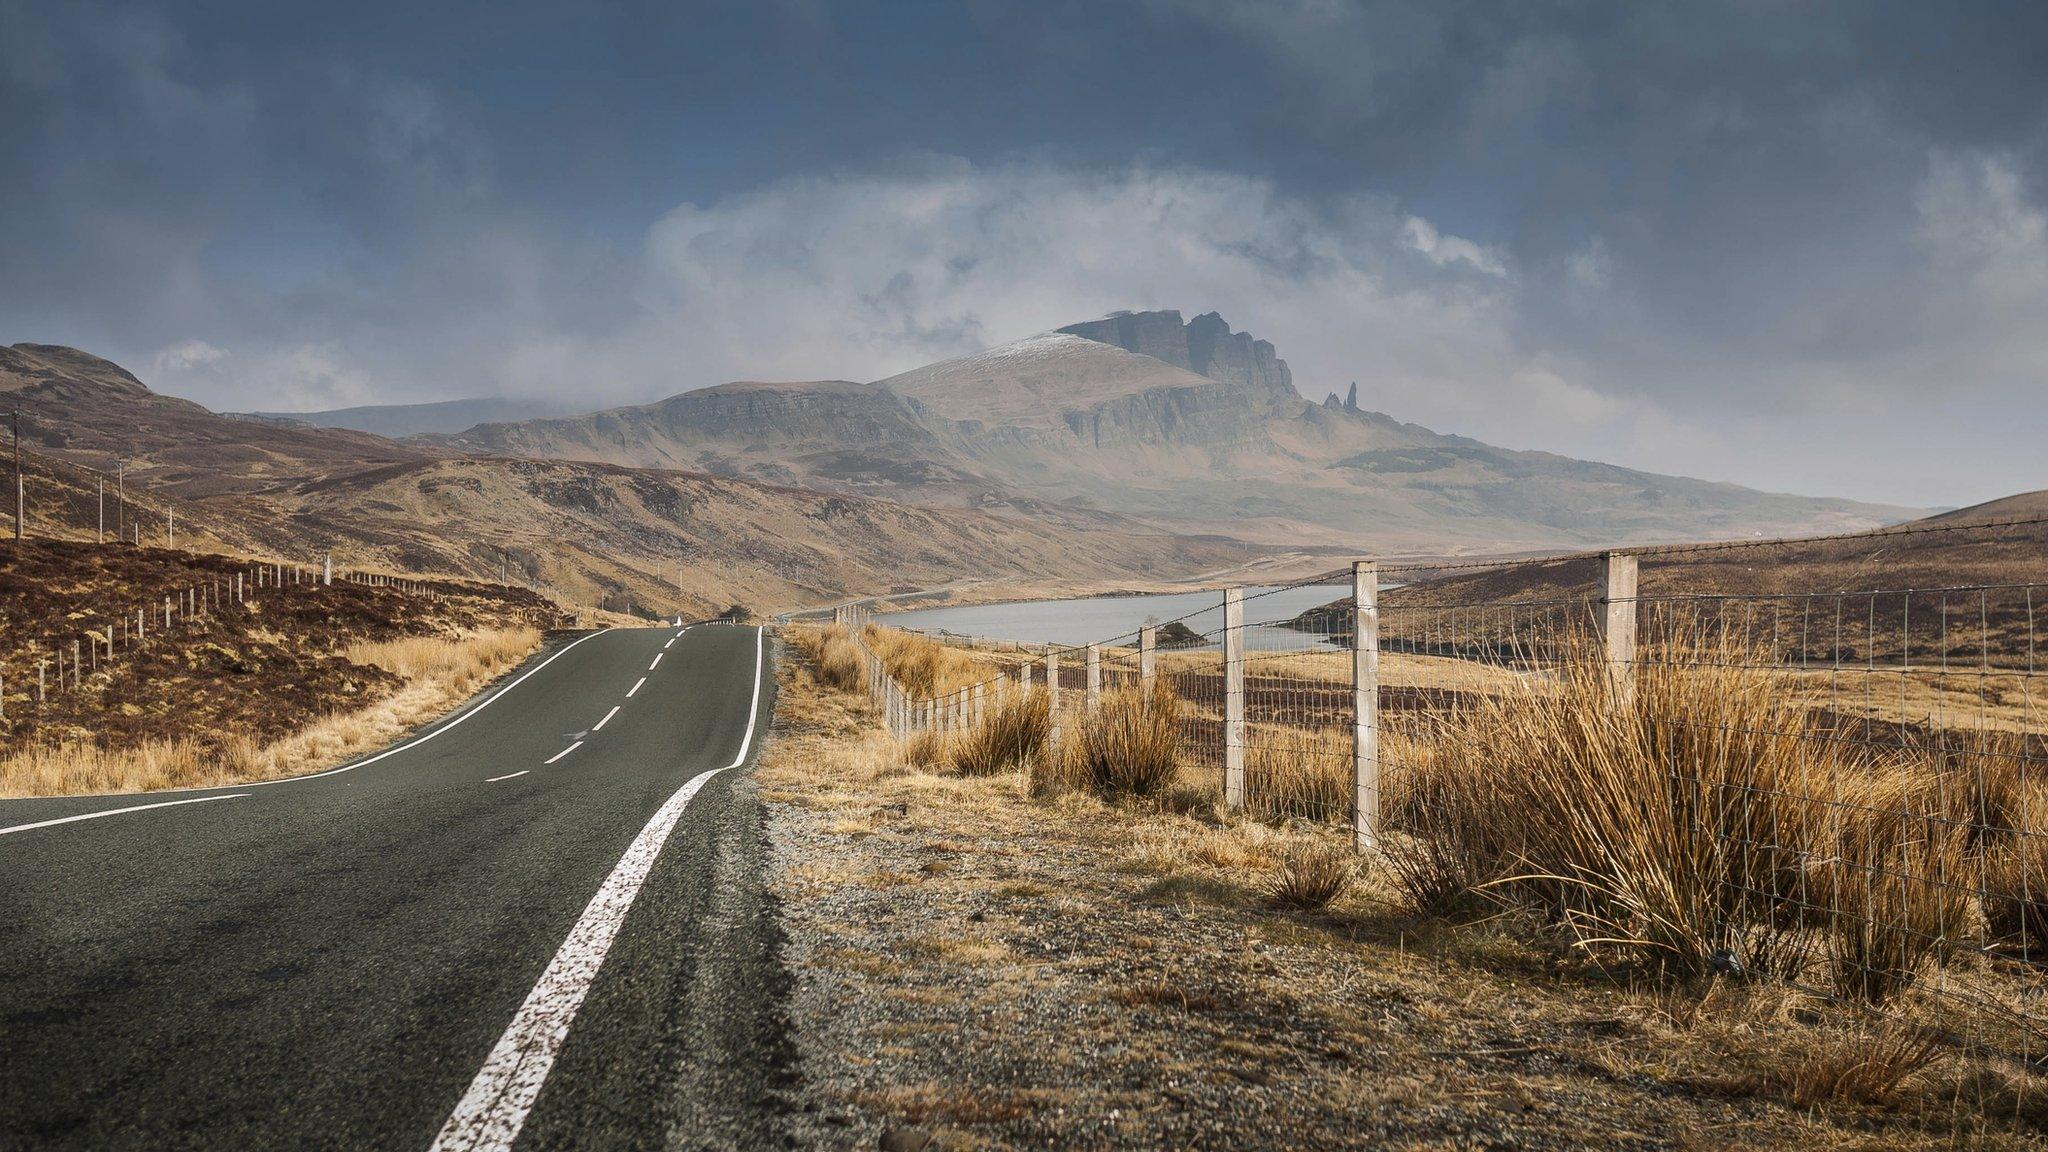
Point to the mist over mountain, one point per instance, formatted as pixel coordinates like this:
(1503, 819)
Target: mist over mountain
(1186, 425)
(674, 539)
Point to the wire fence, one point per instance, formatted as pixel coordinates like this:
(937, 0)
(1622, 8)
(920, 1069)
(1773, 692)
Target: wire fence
(1844, 789)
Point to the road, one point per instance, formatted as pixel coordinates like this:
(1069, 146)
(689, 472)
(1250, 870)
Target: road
(538, 924)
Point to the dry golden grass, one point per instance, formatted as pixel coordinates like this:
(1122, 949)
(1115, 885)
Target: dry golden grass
(1146, 896)
(1303, 773)
(1010, 736)
(442, 673)
(923, 666)
(834, 658)
(1129, 745)
(1677, 827)
(928, 750)
(1311, 874)
(459, 660)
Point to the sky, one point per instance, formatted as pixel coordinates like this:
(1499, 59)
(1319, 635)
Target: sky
(1799, 246)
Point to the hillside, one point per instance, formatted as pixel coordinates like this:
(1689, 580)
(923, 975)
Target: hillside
(1189, 427)
(398, 420)
(656, 539)
(222, 672)
(1957, 589)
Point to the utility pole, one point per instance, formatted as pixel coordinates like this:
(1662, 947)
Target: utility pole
(20, 492)
(171, 525)
(120, 498)
(99, 531)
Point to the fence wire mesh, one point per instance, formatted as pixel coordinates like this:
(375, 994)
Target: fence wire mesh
(1842, 789)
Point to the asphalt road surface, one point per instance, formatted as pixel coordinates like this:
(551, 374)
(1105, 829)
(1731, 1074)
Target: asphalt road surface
(537, 924)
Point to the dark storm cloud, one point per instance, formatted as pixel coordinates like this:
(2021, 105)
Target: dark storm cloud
(1681, 236)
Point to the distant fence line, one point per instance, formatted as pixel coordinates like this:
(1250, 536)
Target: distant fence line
(63, 659)
(1889, 842)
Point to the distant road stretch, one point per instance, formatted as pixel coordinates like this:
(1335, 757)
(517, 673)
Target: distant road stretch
(537, 924)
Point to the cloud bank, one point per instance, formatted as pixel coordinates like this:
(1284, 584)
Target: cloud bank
(1800, 248)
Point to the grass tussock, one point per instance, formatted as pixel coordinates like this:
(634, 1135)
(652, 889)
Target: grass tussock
(928, 751)
(1011, 735)
(1868, 1065)
(1696, 824)
(1311, 874)
(1129, 746)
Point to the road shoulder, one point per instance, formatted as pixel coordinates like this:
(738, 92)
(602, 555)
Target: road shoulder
(975, 969)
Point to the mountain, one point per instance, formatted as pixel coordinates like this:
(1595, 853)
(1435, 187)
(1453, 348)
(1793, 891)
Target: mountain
(662, 537)
(1205, 346)
(398, 420)
(1189, 427)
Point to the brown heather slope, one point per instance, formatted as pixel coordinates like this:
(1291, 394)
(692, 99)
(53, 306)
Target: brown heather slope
(235, 674)
(1974, 547)
(584, 530)
(1113, 416)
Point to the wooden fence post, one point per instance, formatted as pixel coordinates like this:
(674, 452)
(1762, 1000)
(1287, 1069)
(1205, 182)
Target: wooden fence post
(1148, 658)
(1617, 623)
(1094, 676)
(1365, 704)
(1233, 699)
(1052, 689)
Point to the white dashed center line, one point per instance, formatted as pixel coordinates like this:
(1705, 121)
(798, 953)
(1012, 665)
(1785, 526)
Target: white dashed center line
(491, 1114)
(564, 752)
(607, 717)
(635, 687)
(657, 660)
(508, 776)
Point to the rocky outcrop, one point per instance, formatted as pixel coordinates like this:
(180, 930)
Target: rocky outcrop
(1204, 345)
(1159, 335)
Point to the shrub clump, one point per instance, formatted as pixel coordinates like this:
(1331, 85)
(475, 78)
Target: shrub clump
(1012, 735)
(1311, 874)
(1129, 746)
(1696, 822)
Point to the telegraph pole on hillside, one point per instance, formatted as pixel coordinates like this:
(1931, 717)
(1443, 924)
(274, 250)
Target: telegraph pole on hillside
(20, 493)
(120, 498)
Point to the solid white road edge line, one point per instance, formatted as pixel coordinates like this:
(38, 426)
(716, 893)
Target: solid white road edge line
(599, 726)
(657, 660)
(563, 752)
(635, 687)
(508, 776)
(116, 812)
(494, 1109)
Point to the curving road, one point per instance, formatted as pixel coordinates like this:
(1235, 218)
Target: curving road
(537, 924)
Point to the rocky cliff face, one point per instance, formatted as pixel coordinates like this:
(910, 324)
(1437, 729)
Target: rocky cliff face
(1204, 345)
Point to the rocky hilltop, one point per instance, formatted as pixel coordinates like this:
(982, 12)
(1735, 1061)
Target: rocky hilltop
(1188, 426)
(1205, 346)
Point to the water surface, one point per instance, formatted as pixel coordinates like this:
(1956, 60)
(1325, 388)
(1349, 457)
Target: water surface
(1101, 619)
